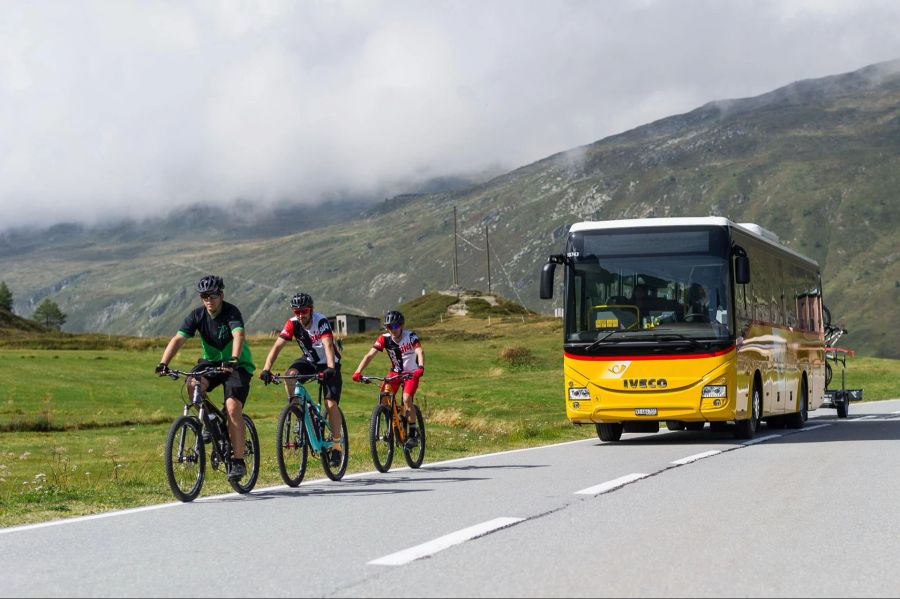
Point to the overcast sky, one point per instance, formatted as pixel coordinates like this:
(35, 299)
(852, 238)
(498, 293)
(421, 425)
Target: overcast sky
(117, 108)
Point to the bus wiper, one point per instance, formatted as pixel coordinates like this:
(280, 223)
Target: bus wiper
(600, 341)
(679, 337)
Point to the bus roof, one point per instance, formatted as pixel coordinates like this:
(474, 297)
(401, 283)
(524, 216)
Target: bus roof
(750, 229)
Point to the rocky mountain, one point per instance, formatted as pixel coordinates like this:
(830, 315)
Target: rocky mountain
(817, 162)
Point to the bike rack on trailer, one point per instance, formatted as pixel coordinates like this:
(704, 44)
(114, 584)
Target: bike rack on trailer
(838, 399)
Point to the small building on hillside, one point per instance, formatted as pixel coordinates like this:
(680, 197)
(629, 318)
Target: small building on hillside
(353, 324)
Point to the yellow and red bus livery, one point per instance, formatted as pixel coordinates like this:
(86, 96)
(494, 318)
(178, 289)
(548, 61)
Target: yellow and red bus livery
(687, 321)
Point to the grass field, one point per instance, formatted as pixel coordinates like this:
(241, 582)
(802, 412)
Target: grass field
(82, 431)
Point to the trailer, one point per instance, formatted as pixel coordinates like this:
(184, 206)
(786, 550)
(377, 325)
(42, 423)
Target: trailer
(835, 356)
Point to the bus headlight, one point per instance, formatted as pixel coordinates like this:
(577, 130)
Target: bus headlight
(579, 393)
(714, 391)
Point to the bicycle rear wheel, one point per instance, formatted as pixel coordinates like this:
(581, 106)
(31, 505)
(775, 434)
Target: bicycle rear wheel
(415, 453)
(336, 472)
(185, 458)
(251, 458)
(381, 438)
(291, 448)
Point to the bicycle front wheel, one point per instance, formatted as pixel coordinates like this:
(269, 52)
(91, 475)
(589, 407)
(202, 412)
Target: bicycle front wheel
(336, 471)
(414, 450)
(292, 447)
(381, 438)
(251, 458)
(185, 458)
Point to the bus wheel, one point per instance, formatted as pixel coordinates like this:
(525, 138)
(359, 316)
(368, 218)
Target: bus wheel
(798, 419)
(745, 429)
(609, 432)
(694, 426)
(675, 425)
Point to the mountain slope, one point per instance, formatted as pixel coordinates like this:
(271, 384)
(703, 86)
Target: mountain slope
(818, 162)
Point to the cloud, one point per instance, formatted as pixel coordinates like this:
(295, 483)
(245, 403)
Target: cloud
(111, 109)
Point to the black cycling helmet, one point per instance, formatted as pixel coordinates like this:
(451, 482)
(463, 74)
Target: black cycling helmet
(393, 317)
(210, 284)
(301, 300)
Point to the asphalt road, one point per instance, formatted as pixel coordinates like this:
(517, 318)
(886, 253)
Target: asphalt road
(814, 512)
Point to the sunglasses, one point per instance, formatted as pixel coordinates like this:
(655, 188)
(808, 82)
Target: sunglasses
(393, 327)
(302, 311)
(212, 296)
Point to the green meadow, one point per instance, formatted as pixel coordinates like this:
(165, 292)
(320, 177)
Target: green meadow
(82, 430)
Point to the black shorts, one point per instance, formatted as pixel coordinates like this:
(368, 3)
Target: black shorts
(236, 383)
(332, 386)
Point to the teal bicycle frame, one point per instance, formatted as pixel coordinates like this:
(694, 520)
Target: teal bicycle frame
(313, 418)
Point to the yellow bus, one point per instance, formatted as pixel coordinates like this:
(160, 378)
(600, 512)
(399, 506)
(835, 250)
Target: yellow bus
(685, 321)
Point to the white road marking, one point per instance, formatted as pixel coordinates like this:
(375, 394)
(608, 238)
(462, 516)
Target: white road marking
(611, 485)
(444, 542)
(869, 417)
(760, 439)
(148, 508)
(696, 456)
(812, 428)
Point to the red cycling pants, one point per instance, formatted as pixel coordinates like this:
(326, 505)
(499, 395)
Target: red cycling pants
(409, 385)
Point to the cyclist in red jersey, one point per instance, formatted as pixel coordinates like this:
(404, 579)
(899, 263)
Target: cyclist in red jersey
(319, 354)
(407, 357)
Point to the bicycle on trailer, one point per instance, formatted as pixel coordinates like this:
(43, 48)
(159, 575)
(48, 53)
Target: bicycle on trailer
(185, 454)
(303, 428)
(388, 430)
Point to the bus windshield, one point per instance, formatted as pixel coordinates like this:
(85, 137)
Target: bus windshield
(650, 284)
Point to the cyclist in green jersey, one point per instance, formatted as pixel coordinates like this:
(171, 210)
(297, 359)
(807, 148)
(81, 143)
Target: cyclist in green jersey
(221, 329)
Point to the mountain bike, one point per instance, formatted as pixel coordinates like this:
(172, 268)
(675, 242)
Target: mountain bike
(303, 428)
(185, 454)
(388, 430)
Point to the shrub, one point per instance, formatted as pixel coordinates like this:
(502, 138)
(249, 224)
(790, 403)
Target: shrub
(517, 356)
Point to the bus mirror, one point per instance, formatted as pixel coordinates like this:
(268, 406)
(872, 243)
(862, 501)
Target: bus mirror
(742, 270)
(547, 280)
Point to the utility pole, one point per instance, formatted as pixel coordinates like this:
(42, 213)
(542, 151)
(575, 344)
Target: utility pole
(455, 253)
(487, 248)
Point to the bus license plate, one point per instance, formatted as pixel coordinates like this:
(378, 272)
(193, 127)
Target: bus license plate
(645, 411)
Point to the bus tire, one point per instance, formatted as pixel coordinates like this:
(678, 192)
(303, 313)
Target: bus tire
(675, 425)
(609, 432)
(745, 429)
(798, 419)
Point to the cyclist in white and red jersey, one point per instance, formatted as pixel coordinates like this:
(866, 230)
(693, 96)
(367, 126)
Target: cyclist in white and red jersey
(407, 357)
(318, 354)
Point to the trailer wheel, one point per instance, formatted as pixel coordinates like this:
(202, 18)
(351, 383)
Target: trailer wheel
(843, 406)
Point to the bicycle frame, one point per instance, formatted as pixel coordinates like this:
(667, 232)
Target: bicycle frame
(312, 412)
(221, 446)
(388, 396)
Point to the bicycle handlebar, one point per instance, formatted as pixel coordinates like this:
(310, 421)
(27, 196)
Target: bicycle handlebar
(387, 379)
(174, 374)
(303, 378)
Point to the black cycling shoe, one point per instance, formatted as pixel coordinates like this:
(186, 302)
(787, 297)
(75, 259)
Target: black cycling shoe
(237, 471)
(412, 439)
(334, 458)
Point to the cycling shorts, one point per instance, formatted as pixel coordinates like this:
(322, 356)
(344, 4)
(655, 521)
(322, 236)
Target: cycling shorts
(236, 383)
(332, 386)
(409, 385)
